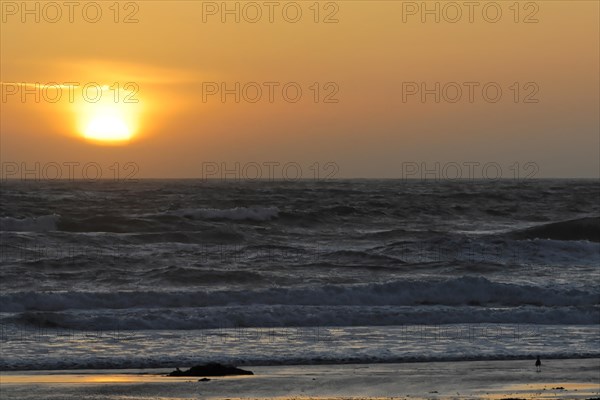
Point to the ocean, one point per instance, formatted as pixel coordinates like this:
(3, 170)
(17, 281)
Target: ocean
(165, 273)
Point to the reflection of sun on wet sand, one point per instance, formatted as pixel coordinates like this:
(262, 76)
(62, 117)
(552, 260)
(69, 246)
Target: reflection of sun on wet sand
(514, 379)
(91, 377)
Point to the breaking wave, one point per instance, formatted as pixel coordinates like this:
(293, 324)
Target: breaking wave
(576, 229)
(457, 293)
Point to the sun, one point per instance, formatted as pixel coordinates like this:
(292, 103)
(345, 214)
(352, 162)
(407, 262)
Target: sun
(108, 121)
(109, 128)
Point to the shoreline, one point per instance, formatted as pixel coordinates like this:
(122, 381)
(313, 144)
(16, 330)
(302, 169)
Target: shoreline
(291, 346)
(302, 363)
(305, 363)
(516, 379)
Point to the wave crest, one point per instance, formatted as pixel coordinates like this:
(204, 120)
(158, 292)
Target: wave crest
(576, 229)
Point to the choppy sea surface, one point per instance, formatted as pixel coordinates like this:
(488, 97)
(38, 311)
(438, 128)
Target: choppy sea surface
(150, 273)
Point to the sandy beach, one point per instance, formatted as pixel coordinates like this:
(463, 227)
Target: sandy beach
(559, 379)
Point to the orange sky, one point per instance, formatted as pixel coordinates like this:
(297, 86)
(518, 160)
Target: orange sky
(177, 49)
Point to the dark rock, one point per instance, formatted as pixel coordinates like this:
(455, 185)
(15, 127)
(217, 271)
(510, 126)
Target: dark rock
(211, 369)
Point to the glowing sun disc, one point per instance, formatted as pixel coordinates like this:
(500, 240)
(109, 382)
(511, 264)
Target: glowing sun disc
(108, 128)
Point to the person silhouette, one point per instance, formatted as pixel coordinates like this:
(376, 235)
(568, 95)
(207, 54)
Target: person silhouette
(538, 364)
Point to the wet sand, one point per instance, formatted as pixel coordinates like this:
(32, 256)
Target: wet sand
(559, 379)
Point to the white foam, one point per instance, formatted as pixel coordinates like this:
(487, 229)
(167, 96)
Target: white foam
(93, 348)
(464, 299)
